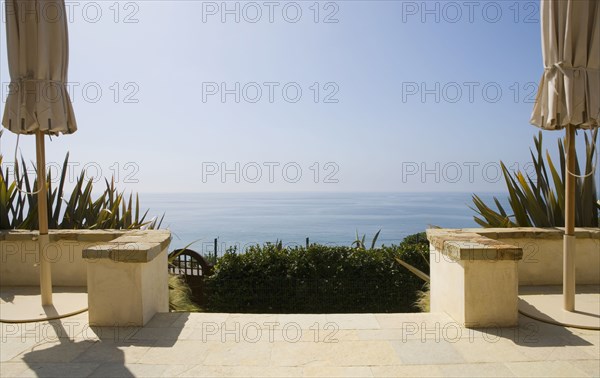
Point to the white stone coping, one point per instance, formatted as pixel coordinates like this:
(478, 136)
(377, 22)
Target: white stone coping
(464, 245)
(131, 246)
(57, 235)
(486, 243)
(535, 232)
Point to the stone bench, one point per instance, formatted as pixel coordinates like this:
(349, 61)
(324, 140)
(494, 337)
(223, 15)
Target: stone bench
(474, 278)
(127, 279)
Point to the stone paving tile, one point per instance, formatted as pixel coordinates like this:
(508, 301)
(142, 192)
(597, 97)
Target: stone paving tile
(174, 370)
(12, 347)
(391, 321)
(476, 370)
(555, 352)
(299, 354)
(115, 369)
(360, 353)
(554, 343)
(183, 321)
(437, 327)
(111, 352)
(162, 333)
(304, 321)
(591, 343)
(516, 334)
(334, 371)
(407, 371)
(59, 370)
(325, 333)
(534, 330)
(178, 352)
(198, 319)
(380, 334)
(237, 354)
(416, 352)
(54, 352)
(241, 371)
(304, 354)
(489, 350)
(331, 335)
(138, 370)
(251, 333)
(348, 353)
(544, 369)
(242, 320)
(52, 330)
(113, 334)
(214, 334)
(589, 367)
(12, 369)
(353, 321)
(437, 331)
(357, 345)
(167, 319)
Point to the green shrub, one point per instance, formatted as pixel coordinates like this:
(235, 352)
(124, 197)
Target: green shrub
(419, 247)
(318, 279)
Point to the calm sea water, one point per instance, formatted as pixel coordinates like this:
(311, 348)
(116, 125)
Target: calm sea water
(242, 219)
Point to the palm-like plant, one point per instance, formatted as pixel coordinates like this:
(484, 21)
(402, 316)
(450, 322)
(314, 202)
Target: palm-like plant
(359, 243)
(541, 202)
(111, 210)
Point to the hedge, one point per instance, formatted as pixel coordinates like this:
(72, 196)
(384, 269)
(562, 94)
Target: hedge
(318, 279)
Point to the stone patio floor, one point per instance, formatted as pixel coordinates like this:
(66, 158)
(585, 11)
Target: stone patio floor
(261, 345)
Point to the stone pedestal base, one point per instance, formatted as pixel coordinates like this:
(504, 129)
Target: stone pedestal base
(474, 279)
(127, 280)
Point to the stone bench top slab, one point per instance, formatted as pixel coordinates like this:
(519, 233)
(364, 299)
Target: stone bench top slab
(77, 234)
(486, 243)
(465, 245)
(535, 232)
(131, 247)
(58, 235)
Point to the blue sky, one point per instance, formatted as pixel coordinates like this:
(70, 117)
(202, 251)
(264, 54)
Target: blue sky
(403, 87)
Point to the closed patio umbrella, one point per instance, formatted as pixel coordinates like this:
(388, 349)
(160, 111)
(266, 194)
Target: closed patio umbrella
(569, 97)
(38, 102)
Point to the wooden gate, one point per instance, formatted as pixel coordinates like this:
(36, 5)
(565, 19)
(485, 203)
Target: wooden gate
(193, 267)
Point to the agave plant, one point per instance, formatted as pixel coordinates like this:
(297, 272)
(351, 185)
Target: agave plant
(359, 243)
(79, 210)
(541, 202)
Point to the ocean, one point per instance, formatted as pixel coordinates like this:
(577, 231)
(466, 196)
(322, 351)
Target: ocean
(242, 219)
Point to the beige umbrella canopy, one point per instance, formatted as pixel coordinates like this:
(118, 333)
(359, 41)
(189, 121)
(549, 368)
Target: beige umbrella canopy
(569, 96)
(38, 102)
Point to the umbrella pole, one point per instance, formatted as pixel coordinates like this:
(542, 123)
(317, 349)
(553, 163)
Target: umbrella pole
(569, 238)
(45, 268)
